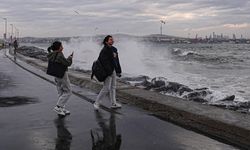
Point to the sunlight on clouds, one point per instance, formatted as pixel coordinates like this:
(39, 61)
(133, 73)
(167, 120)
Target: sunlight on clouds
(243, 25)
(180, 6)
(94, 14)
(127, 16)
(207, 14)
(177, 12)
(228, 26)
(3, 10)
(45, 9)
(156, 16)
(182, 16)
(170, 16)
(205, 28)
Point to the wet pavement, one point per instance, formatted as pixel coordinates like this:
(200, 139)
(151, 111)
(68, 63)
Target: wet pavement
(30, 124)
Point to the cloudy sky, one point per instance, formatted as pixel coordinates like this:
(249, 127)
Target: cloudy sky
(42, 18)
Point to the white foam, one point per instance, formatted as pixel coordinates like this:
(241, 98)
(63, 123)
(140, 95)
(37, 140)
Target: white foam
(138, 58)
(188, 53)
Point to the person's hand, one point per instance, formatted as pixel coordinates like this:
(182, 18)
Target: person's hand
(115, 55)
(118, 75)
(71, 55)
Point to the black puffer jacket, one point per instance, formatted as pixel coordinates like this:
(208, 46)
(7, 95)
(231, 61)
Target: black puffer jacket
(118, 69)
(108, 61)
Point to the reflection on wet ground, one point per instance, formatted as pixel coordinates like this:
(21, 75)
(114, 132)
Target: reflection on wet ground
(105, 137)
(15, 101)
(64, 137)
(4, 80)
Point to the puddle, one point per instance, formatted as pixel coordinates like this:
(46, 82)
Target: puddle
(16, 101)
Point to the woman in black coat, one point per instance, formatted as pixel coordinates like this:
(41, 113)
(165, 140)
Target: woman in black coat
(110, 61)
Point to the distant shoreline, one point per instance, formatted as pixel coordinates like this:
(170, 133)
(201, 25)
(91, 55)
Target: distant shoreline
(155, 38)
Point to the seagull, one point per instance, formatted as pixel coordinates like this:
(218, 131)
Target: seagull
(76, 12)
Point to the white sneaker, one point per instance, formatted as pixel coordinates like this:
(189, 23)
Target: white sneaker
(96, 106)
(67, 112)
(59, 111)
(116, 105)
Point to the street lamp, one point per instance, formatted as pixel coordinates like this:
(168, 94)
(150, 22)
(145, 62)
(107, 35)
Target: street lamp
(11, 36)
(16, 32)
(5, 34)
(162, 22)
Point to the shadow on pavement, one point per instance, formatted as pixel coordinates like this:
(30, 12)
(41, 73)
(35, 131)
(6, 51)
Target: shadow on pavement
(105, 137)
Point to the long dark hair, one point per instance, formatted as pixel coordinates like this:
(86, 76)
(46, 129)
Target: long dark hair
(106, 39)
(55, 46)
(49, 49)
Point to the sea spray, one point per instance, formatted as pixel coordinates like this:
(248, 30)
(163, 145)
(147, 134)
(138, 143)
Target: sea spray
(223, 68)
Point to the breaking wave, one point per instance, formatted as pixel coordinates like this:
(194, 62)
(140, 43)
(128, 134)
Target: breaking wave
(203, 95)
(205, 58)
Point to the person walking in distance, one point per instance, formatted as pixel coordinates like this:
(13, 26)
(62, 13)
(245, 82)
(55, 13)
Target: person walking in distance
(110, 61)
(15, 44)
(62, 84)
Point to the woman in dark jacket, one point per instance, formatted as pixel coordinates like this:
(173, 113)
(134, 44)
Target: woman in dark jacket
(110, 61)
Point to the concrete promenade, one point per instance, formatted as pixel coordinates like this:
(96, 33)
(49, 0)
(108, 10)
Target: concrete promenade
(27, 97)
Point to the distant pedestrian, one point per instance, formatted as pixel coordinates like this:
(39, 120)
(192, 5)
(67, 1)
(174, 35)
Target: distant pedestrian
(110, 61)
(63, 84)
(15, 44)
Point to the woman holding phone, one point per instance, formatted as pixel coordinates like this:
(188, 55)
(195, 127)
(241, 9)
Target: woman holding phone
(62, 84)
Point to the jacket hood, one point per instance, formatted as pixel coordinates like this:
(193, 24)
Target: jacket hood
(52, 55)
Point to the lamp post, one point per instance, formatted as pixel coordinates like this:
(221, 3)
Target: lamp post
(162, 22)
(16, 32)
(11, 36)
(5, 34)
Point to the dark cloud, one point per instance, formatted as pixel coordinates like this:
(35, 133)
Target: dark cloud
(74, 17)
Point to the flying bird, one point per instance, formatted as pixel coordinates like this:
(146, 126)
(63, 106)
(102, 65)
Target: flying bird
(76, 12)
